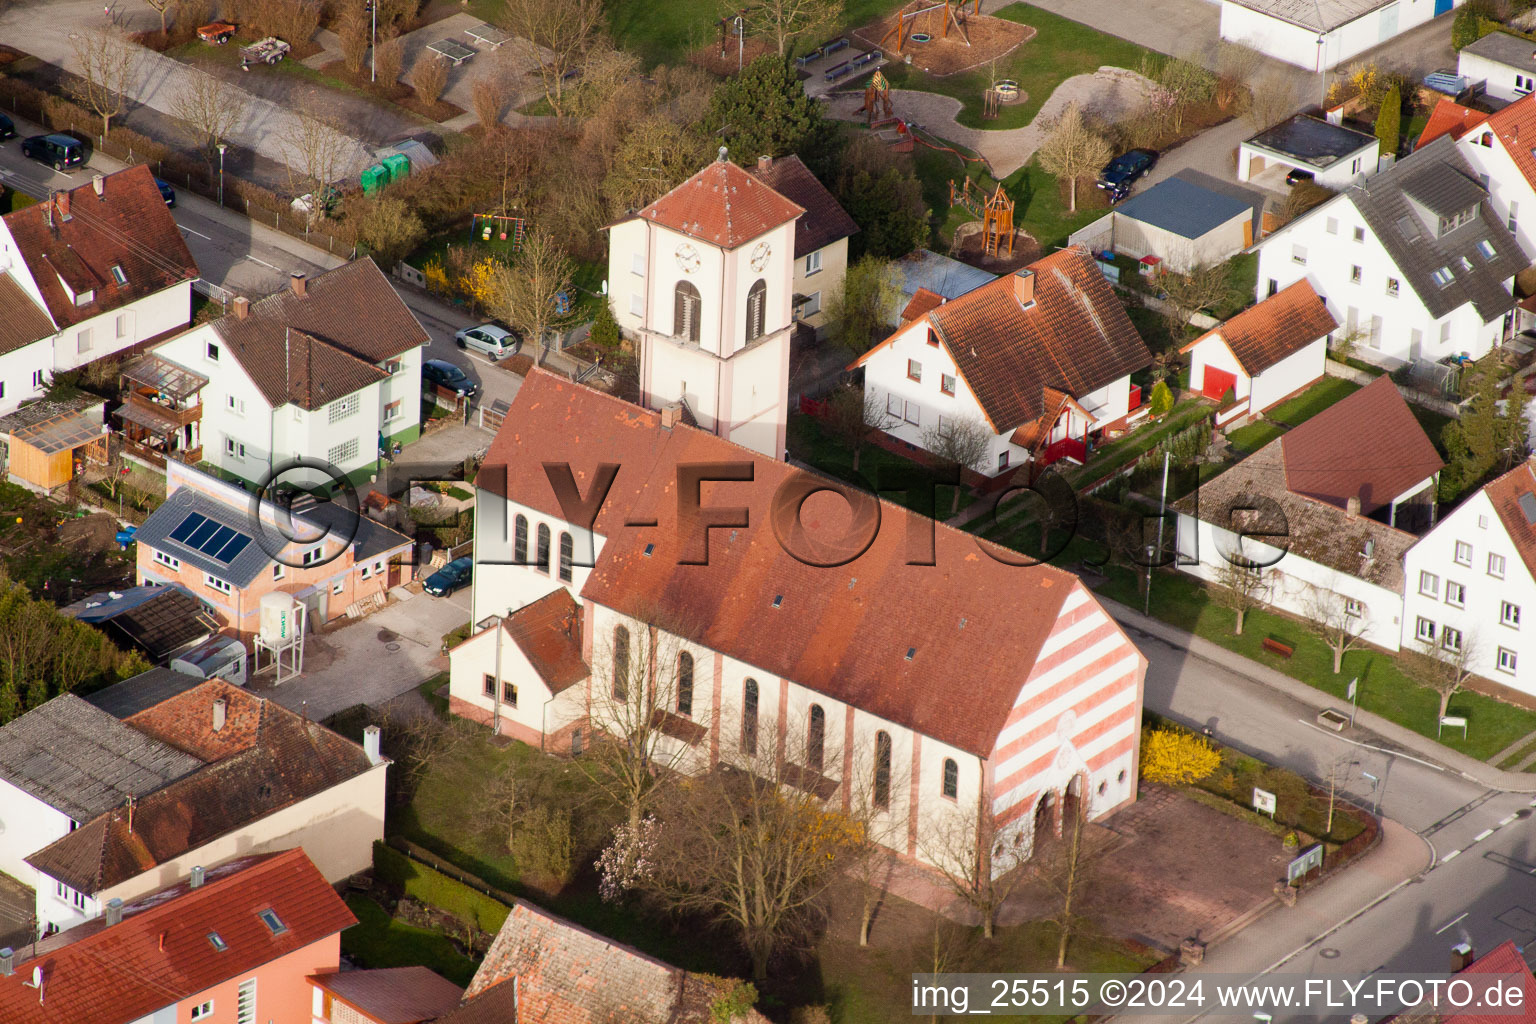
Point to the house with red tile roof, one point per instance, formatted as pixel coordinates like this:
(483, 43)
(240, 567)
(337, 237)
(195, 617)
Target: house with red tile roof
(1264, 354)
(327, 369)
(821, 235)
(544, 968)
(1325, 513)
(703, 281)
(825, 639)
(1491, 144)
(1505, 962)
(91, 272)
(246, 776)
(233, 942)
(1470, 579)
(1449, 118)
(1039, 361)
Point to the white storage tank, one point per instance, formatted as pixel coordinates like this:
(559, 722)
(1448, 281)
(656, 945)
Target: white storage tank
(279, 618)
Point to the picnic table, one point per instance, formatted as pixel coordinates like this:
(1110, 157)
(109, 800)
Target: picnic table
(458, 53)
(489, 35)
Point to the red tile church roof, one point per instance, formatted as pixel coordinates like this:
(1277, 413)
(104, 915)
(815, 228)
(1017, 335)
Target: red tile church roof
(722, 205)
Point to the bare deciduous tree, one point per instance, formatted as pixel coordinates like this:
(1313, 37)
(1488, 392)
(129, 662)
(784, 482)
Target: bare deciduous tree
(784, 21)
(1203, 286)
(1240, 586)
(210, 109)
(560, 34)
(1444, 669)
(1330, 620)
(429, 77)
(108, 64)
(355, 30)
(1072, 150)
(980, 860)
(1274, 99)
(854, 416)
(162, 8)
(656, 156)
(314, 152)
(389, 58)
(390, 230)
(528, 293)
(958, 442)
(1062, 867)
(488, 95)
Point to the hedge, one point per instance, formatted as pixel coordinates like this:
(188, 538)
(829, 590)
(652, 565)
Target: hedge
(432, 887)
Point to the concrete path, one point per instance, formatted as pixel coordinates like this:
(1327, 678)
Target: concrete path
(1112, 93)
(514, 63)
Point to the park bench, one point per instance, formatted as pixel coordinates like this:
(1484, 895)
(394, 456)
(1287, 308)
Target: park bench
(834, 73)
(864, 58)
(1276, 647)
(808, 58)
(828, 49)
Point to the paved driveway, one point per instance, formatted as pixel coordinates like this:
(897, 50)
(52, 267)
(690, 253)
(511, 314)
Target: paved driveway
(374, 659)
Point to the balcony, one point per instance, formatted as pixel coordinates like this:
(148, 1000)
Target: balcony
(162, 410)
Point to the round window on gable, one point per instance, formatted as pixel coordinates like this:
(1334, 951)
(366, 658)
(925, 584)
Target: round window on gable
(1103, 788)
(1121, 776)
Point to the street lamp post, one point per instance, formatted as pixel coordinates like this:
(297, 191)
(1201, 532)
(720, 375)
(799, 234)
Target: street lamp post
(373, 50)
(741, 43)
(222, 148)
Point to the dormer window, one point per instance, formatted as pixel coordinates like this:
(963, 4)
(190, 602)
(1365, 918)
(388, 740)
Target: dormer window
(1451, 223)
(1486, 248)
(1442, 276)
(118, 276)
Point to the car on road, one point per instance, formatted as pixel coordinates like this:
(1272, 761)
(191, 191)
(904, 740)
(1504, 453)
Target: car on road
(450, 577)
(1122, 172)
(1299, 176)
(444, 374)
(166, 192)
(59, 150)
(489, 340)
(7, 128)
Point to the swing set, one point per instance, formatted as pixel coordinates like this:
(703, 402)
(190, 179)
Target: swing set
(484, 225)
(906, 23)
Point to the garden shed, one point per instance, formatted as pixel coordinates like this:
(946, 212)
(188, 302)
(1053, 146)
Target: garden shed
(44, 440)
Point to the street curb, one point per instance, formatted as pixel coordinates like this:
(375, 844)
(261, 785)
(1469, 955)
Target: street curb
(1368, 722)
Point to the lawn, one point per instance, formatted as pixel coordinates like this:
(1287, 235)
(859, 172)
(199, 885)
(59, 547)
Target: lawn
(1107, 458)
(1254, 436)
(1314, 400)
(667, 31)
(377, 940)
(809, 443)
(1059, 49)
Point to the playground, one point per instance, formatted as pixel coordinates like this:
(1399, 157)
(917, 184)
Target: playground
(943, 37)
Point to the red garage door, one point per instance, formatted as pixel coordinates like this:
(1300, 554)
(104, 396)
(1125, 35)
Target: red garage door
(1217, 383)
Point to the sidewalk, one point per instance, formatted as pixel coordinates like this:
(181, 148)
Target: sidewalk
(1369, 727)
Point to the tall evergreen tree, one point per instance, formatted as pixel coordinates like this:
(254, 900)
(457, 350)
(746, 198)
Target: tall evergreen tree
(764, 111)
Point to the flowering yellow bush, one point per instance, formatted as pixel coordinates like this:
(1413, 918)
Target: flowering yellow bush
(1176, 758)
(436, 276)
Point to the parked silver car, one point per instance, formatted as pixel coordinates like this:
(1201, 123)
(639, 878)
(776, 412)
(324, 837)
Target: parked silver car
(489, 340)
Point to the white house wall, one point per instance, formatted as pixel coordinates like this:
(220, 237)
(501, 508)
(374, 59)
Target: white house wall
(1213, 351)
(824, 283)
(1481, 621)
(501, 587)
(753, 382)
(1299, 46)
(1500, 78)
(118, 329)
(1295, 582)
(1136, 238)
(249, 422)
(626, 278)
(1508, 189)
(26, 826)
(1290, 374)
(537, 711)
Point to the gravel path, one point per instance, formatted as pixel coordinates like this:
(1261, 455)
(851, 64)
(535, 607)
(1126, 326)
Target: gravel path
(1112, 93)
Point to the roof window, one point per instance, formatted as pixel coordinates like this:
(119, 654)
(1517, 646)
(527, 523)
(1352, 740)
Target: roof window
(911, 653)
(778, 599)
(648, 549)
(118, 275)
(1442, 276)
(272, 921)
(217, 942)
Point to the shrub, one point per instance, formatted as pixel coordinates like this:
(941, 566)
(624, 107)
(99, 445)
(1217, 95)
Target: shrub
(1175, 757)
(389, 59)
(429, 77)
(605, 329)
(542, 844)
(1161, 399)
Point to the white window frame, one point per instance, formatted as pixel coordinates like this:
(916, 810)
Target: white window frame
(893, 404)
(1299, 254)
(913, 414)
(812, 305)
(1429, 584)
(203, 1009)
(1353, 606)
(1393, 287)
(637, 264)
(233, 448)
(312, 556)
(122, 325)
(245, 1012)
(1507, 660)
(637, 305)
(1459, 600)
(169, 561)
(338, 586)
(1424, 630)
(1331, 225)
(1450, 639)
(83, 340)
(1360, 235)
(1509, 614)
(279, 570)
(1356, 273)
(1495, 566)
(212, 582)
(813, 263)
(1463, 553)
(118, 275)
(211, 352)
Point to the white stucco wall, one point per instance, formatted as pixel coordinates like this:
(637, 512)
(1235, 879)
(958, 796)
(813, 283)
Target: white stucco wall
(1500, 78)
(1212, 351)
(1253, 160)
(1509, 192)
(1290, 374)
(1299, 46)
(501, 587)
(27, 825)
(537, 710)
(1481, 620)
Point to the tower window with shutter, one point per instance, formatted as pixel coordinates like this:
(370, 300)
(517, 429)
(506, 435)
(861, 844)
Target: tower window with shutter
(685, 311)
(757, 303)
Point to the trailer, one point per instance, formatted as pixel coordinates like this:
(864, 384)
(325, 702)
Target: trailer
(216, 32)
(269, 51)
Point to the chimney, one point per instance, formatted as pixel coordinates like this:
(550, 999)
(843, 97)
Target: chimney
(722, 154)
(1024, 287)
(1461, 957)
(371, 744)
(296, 282)
(61, 200)
(114, 911)
(99, 183)
(196, 881)
(219, 707)
(242, 307)
(7, 962)
(1359, 1018)
(764, 163)
(670, 414)
(1352, 507)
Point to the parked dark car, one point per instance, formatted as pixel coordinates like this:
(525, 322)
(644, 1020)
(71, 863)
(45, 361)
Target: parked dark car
(444, 374)
(450, 577)
(7, 128)
(59, 150)
(166, 192)
(1298, 176)
(1122, 172)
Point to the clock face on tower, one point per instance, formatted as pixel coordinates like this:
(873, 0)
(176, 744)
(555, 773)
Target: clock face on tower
(687, 258)
(760, 254)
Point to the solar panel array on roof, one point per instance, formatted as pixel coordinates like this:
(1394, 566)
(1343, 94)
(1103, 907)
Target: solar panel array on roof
(219, 542)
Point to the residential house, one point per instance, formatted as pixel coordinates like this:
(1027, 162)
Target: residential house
(327, 370)
(266, 778)
(235, 942)
(821, 236)
(1500, 965)
(1449, 118)
(1334, 154)
(1323, 513)
(1413, 262)
(211, 538)
(91, 272)
(161, 415)
(1505, 64)
(1490, 143)
(389, 995)
(1264, 354)
(1040, 360)
(1471, 577)
(541, 968)
(943, 276)
(1318, 36)
(65, 763)
(834, 665)
(1185, 221)
(704, 280)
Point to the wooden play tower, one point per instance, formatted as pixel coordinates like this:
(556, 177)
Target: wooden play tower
(995, 211)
